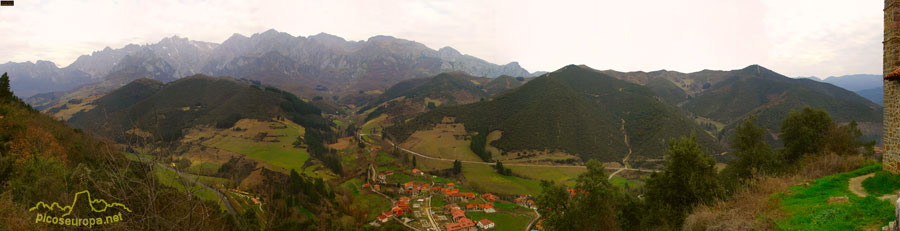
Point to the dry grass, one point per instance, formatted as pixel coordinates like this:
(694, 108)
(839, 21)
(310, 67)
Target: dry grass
(753, 208)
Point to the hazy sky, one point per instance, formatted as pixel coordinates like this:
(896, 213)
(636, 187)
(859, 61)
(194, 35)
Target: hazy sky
(793, 37)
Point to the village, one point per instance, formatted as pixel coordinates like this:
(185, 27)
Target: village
(431, 203)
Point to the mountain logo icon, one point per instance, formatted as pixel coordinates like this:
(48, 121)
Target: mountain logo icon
(96, 205)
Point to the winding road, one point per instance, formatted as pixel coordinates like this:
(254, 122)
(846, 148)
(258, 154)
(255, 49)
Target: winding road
(427, 206)
(222, 197)
(505, 164)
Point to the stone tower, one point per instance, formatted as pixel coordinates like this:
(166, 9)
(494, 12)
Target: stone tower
(892, 86)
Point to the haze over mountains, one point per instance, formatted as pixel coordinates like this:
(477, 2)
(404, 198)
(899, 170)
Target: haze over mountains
(868, 86)
(404, 79)
(574, 110)
(324, 62)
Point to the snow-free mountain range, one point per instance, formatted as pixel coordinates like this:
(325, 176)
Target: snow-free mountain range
(326, 63)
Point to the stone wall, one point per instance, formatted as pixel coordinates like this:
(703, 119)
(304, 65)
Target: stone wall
(891, 126)
(891, 87)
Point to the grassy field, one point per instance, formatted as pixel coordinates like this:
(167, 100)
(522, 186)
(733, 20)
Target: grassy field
(622, 182)
(204, 168)
(443, 141)
(807, 207)
(280, 153)
(496, 154)
(374, 126)
(363, 199)
(384, 158)
(437, 103)
(882, 183)
(503, 221)
(559, 175)
(484, 179)
(438, 202)
(170, 178)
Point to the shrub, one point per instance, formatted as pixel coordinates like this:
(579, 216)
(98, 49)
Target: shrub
(882, 183)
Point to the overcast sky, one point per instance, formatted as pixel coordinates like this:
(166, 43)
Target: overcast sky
(793, 37)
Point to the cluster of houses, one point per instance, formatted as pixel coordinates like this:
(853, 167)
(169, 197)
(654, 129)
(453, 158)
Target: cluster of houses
(400, 207)
(462, 223)
(254, 199)
(486, 208)
(450, 193)
(523, 201)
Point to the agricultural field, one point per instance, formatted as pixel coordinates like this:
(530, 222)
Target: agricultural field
(172, 179)
(374, 126)
(483, 178)
(437, 103)
(626, 183)
(445, 141)
(373, 203)
(204, 168)
(503, 221)
(276, 148)
(564, 175)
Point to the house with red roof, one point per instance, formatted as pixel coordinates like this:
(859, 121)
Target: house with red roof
(457, 214)
(417, 172)
(463, 224)
(489, 197)
(383, 219)
(485, 224)
(450, 207)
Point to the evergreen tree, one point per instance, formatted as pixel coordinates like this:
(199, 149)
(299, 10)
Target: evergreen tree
(5, 91)
(688, 179)
(457, 167)
(803, 132)
(752, 151)
(593, 206)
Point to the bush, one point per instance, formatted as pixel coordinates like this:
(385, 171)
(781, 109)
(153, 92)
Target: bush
(688, 179)
(228, 121)
(882, 183)
(804, 132)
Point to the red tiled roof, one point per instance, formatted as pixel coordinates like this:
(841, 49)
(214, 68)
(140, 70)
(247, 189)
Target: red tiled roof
(485, 222)
(462, 224)
(893, 75)
(485, 206)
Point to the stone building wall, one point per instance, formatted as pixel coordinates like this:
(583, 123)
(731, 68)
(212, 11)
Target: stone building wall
(891, 86)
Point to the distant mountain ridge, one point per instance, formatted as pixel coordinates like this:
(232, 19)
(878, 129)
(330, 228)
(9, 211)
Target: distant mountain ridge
(727, 97)
(165, 110)
(868, 86)
(573, 110)
(326, 62)
(856, 82)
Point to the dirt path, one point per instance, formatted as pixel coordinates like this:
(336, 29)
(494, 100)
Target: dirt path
(625, 160)
(856, 185)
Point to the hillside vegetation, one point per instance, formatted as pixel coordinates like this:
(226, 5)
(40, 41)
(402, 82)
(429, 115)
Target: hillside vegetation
(728, 97)
(575, 110)
(43, 160)
(165, 110)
